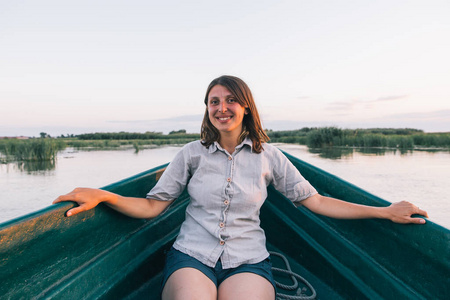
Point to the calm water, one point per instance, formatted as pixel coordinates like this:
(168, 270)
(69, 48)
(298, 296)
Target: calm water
(418, 176)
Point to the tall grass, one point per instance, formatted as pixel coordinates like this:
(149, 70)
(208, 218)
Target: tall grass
(432, 140)
(30, 150)
(325, 136)
(376, 138)
(46, 149)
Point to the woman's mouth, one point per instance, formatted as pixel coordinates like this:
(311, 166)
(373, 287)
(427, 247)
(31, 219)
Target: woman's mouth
(224, 119)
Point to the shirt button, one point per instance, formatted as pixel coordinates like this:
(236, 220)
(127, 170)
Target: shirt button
(226, 202)
(221, 225)
(229, 179)
(222, 243)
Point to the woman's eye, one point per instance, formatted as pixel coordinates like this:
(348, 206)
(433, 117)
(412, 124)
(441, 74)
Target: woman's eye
(213, 102)
(231, 100)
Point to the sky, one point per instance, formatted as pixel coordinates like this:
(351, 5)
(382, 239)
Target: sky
(70, 67)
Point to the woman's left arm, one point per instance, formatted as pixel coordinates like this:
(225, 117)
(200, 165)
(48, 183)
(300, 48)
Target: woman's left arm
(399, 212)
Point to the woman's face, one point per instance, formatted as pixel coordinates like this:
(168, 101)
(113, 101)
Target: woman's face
(225, 113)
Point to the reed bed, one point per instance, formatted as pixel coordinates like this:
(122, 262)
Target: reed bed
(30, 150)
(412, 139)
(46, 149)
(362, 138)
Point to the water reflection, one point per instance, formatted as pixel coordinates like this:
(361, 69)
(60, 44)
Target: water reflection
(35, 166)
(345, 152)
(377, 151)
(383, 172)
(332, 152)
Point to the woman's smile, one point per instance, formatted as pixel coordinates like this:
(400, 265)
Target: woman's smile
(224, 119)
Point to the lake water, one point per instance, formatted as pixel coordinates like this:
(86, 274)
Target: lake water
(417, 176)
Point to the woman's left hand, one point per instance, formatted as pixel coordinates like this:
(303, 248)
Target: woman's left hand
(401, 212)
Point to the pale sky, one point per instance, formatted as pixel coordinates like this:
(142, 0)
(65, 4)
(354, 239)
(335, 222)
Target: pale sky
(88, 66)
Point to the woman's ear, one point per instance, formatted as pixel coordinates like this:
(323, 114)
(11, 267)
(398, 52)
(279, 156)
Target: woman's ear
(247, 111)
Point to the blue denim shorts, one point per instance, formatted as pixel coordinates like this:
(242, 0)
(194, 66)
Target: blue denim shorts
(176, 260)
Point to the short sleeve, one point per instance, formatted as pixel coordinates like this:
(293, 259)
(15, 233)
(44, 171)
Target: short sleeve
(288, 180)
(174, 179)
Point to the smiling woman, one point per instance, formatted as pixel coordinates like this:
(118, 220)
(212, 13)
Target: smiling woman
(231, 93)
(220, 251)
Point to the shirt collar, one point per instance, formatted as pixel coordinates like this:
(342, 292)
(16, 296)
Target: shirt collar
(216, 146)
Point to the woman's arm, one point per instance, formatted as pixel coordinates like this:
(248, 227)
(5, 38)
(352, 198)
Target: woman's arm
(87, 198)
(399, 212)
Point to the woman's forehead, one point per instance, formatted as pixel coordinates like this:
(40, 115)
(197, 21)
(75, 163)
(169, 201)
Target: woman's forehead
(219, 91)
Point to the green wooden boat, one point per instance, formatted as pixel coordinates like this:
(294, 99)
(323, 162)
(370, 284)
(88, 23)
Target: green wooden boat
(101, 254)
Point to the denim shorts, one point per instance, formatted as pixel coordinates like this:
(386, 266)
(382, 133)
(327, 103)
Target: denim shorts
(176, 260)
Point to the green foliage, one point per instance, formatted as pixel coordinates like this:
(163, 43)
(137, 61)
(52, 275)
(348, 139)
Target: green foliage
(107, 140)
(432, 140)
(289, 136)
(46, 148)
(181, 131)
(402, 138)
(31, 150)
(325, 136)
(149, 135)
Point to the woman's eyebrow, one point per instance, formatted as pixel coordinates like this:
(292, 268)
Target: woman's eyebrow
(216, 97)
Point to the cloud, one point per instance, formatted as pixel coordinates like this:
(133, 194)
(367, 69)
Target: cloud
(434, 121)
(293, 124)
(342, 107)
(187, 118)
(191, 123)
(349, 105)
(435, 116)
(388, 98)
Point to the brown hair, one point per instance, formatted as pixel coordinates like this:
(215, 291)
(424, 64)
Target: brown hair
(251, 124)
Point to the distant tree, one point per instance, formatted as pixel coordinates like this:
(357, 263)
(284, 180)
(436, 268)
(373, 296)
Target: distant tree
(178, 131)
(43, 135)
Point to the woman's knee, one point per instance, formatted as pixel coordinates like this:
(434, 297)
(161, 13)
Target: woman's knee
(189, 283)
(246, 286)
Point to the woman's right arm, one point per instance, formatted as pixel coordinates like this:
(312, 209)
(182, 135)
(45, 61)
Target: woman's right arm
(88, 198)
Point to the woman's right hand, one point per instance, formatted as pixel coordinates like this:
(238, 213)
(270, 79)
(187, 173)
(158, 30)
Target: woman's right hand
(86, 198)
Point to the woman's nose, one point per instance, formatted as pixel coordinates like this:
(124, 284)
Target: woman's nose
(223, 107)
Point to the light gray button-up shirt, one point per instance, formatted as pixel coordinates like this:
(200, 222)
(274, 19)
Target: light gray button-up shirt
(227, 192)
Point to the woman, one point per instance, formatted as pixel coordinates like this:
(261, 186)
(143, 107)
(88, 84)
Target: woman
(220, 252)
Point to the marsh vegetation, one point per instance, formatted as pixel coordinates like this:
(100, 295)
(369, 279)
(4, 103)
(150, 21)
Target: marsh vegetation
(41, 149)
(45, 149)
(405, 139)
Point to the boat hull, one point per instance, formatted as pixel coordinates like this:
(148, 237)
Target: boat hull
(101, 254)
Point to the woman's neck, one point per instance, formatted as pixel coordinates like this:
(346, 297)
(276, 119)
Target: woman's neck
(229, 142)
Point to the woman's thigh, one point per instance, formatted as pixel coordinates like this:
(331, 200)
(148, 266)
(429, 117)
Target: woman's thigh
(189, 283)
(246, 286)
